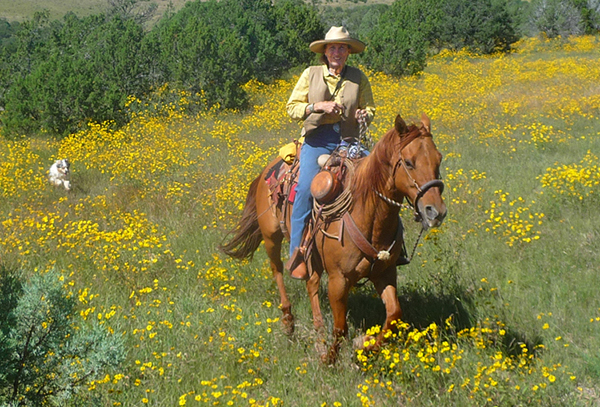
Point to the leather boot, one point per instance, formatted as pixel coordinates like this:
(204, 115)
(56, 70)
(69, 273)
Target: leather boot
(300, 272)
(402, 261)
(297, 266)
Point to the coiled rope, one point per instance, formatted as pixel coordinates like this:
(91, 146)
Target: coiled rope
(342, 203)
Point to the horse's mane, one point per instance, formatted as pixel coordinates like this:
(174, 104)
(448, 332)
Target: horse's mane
(374, 171)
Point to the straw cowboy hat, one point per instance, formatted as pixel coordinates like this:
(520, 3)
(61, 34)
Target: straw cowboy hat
(338, 35)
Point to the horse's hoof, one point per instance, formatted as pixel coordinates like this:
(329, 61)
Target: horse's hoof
(288, 325)
(365, 342)
(328, 358)
(321, 349)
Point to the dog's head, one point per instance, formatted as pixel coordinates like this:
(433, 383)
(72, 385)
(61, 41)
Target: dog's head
(63, 166)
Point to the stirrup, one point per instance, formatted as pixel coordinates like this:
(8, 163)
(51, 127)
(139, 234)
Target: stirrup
(296, 258)
(300, 272)
(297, 266)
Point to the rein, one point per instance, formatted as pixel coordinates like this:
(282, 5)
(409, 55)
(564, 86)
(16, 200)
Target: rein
(390, 200)
(364, 135)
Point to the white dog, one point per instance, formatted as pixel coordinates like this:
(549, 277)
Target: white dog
(59, 174)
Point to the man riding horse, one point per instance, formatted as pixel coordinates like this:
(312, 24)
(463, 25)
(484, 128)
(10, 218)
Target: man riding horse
(332, 99)
(365, 240)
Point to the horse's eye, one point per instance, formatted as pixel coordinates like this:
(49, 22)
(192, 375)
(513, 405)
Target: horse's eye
(409, 164)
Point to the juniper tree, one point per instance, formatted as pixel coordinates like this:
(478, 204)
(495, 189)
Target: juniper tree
(48, 351)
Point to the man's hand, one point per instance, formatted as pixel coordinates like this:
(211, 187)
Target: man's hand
(361, 115)
(329, 107)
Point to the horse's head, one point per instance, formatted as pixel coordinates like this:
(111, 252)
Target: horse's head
(417, 171)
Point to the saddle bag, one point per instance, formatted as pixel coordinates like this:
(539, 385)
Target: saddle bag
(325, 186)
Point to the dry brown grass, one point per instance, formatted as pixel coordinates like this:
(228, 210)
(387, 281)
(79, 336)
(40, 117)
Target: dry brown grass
(23, 9)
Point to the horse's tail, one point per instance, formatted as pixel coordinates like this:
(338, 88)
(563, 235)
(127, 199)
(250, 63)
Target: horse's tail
(247, 234)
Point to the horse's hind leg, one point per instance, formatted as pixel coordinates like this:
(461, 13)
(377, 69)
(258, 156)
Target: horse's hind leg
(273, 237)
(273, 248)
(312, 286)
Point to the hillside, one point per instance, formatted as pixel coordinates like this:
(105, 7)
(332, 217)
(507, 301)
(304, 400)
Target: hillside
(24, 9)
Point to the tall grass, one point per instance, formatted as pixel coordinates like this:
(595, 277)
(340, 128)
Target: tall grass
(500, 304)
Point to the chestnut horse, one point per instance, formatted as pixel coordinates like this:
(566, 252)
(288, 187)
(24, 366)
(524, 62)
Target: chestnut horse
(403, 164)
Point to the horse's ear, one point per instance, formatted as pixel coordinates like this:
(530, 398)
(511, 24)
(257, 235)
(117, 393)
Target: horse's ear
(426, 122)
(400, 125)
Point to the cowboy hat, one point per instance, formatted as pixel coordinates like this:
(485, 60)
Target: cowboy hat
(338, 35)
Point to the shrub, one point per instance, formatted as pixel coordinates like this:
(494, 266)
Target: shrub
(132, 9)
(63, 74)
(84, 70)
(399, 42)
(7, 32)
(519, 12)
(557, 18)
(211, 48)
(47, 352)
(403, 35)
(481, 26)
(19, 48)
(297, 25)
(590, 15)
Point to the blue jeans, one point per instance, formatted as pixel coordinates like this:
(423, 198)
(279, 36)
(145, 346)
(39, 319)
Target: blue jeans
(322, 140)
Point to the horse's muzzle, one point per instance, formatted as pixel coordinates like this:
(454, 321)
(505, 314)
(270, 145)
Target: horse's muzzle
(431, 214)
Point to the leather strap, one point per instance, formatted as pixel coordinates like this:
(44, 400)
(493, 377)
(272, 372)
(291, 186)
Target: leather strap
(359, 239)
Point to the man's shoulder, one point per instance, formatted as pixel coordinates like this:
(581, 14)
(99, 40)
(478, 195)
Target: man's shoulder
(354, 74)
(316, 68)
(310, 70)
(354, 70)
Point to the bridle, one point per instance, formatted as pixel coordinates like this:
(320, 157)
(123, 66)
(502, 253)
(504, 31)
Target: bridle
(421, 190)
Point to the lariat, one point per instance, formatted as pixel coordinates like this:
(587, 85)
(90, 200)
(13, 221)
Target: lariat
(364, 134)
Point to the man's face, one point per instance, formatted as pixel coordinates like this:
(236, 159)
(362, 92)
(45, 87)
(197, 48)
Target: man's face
(337, 54)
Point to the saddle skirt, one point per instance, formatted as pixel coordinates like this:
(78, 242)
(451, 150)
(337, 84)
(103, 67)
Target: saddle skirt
(281, 179)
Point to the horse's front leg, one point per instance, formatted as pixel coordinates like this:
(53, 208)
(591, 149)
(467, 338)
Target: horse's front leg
(338, 299)
(385, 284)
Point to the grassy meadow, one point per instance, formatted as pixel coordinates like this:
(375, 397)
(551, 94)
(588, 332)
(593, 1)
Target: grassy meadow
(501, 304)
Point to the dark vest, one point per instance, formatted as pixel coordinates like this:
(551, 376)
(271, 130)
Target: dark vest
(319, 92)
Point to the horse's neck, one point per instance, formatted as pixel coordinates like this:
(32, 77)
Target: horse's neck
(375, 217)
(376, 214)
